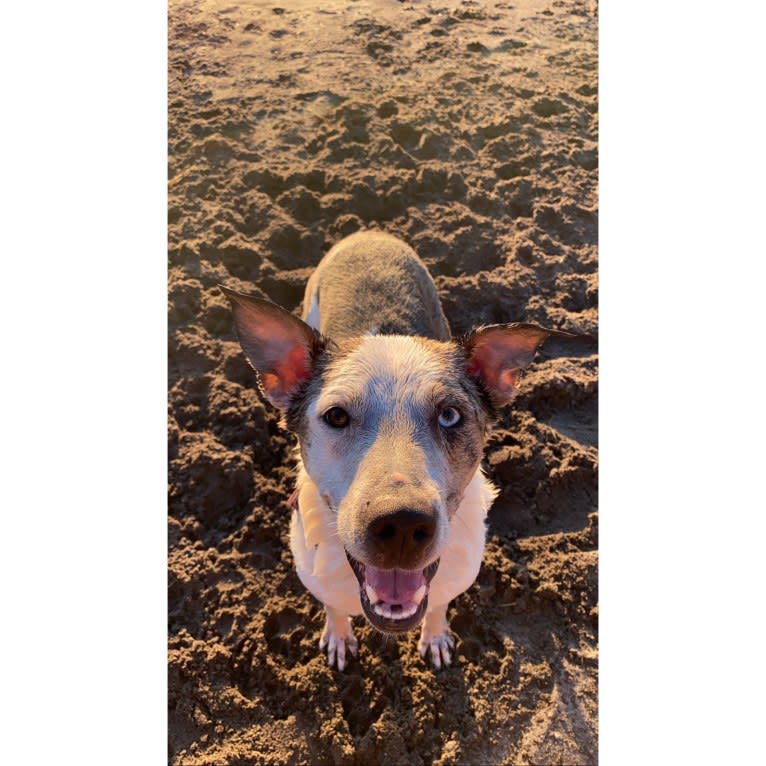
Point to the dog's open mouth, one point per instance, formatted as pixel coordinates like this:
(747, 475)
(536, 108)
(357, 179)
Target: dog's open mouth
(393, 600)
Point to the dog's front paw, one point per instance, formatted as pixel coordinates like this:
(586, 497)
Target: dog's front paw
(338, 636)
(437, 647)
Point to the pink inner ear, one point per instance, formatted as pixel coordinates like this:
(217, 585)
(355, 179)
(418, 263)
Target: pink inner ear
(509, 379)
(499, 355)
(293, 368)
(277, 344)
(486, 363)
(288, 371)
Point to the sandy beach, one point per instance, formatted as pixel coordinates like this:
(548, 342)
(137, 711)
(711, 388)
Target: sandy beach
(468, 129)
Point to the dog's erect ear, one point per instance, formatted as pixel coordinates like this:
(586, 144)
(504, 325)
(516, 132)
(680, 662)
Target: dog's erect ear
(278, 345)
(498, 353)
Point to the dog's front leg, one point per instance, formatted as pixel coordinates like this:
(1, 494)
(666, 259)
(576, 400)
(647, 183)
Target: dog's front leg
(336, 636)
(435, 637)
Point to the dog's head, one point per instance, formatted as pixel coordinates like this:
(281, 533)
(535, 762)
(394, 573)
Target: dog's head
(391, 430)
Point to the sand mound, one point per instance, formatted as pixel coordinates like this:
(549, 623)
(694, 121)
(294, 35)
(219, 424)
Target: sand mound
(469, 130)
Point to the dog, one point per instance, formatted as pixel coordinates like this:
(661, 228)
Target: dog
(391, 415)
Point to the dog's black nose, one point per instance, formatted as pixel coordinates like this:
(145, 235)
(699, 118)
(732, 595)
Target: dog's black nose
(400, 538)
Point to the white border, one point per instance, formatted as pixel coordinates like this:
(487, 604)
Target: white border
(84, 381)
(682, 418)
(681, 415)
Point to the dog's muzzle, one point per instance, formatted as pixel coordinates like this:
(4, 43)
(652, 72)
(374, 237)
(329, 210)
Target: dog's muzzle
(393, 600)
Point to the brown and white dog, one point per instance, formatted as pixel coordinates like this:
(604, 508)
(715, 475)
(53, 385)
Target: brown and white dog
(391, 416)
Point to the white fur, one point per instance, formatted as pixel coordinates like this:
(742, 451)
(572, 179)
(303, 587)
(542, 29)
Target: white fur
(319, 555)
(312, 316)
(385, 368)
(461, 559)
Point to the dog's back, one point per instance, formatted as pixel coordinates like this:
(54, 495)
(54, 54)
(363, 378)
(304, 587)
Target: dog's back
(372, 282)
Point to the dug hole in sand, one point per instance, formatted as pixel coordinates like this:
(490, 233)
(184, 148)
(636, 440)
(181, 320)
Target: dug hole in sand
(469, 130)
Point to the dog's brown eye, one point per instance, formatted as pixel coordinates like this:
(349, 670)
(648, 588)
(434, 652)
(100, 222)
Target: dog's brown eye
(336, 417)
(449, 417)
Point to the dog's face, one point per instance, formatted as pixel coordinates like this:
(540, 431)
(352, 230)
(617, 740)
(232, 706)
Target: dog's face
(391, 430)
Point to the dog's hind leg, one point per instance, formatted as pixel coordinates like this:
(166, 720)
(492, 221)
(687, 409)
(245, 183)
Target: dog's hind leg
(336, 636)
(435, 638)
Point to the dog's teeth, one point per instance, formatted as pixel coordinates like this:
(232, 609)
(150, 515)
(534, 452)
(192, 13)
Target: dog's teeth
(371, 594)
(402, 613)
(419, 593)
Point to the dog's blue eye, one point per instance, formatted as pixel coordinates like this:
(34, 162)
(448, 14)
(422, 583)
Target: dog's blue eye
(449, 417)
(336, 417)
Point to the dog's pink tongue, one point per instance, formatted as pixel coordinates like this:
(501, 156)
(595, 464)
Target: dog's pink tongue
(395, 586)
